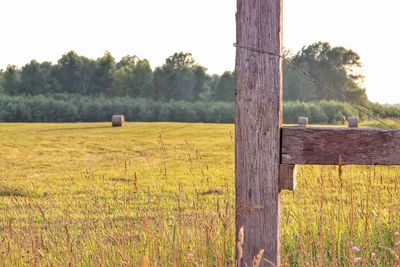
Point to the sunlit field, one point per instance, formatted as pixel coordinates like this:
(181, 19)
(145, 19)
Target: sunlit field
(162, 194)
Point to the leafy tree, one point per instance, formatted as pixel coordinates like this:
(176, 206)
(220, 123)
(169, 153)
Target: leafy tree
(75, 74)
(201, 78)
(179, 61)
(36, 78)
(163, 78)
(337, 67)
(1, 82)
(122, 82)
(180, 78)
(143, 78)
(133, 77)
(127, 61)
(209, 88)
(105, 71)
(11, 80)
(225, 87)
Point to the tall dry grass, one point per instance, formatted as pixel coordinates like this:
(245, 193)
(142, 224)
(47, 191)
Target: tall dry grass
(162, 195)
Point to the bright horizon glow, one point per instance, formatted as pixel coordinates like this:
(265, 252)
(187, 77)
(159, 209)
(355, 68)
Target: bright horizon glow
(154, 29)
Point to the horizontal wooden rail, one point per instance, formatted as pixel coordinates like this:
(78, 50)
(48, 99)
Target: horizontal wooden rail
(333, 146)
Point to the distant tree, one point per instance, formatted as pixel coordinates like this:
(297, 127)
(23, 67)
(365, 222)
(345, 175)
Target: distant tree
(105, 71)
(337, 67)
(122, 83)
(1, 82)
(180, 78)
(133, 77)
(201, 78)
(179, 61)
(88, 85)
(163, 83)
(11, 80)
(209, 88)
(127, 61)
(75, 74)
(36, 78)
(143, 78)
(225, 87)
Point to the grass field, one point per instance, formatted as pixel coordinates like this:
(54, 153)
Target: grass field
(162, 194)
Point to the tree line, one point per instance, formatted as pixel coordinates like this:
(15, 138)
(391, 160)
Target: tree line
(77, 108)
(181, 77)
(179, 80)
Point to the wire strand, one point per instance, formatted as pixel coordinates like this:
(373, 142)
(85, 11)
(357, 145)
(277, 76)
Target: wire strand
(306, 75)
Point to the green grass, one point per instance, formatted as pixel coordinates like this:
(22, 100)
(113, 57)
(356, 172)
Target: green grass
(390, 124)
(162, 194)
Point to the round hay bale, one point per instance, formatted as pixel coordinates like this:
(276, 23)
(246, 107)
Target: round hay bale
(302, 121)
(118, 120)
(353, 122)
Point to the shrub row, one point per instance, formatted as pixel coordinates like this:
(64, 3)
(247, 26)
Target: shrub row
(321, 112)
(73, 108)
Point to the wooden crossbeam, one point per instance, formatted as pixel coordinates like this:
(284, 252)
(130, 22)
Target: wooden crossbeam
(333, 146)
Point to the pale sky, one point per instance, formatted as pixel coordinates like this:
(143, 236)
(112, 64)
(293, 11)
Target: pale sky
(155, 29)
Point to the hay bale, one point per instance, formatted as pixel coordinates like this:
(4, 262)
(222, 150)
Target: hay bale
(118, 120)
(302, 121)
(353, 122)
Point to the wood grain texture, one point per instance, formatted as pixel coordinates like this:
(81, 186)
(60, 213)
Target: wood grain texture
(333, 146)
(287, 177)
(258, 120)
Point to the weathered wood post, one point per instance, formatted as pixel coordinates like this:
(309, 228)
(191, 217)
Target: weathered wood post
(258, 122)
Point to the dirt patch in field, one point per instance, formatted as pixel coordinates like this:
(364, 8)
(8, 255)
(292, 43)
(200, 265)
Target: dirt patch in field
(15, 192)
(214, 191)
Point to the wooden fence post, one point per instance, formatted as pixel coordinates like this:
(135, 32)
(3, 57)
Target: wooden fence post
(258, 121)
